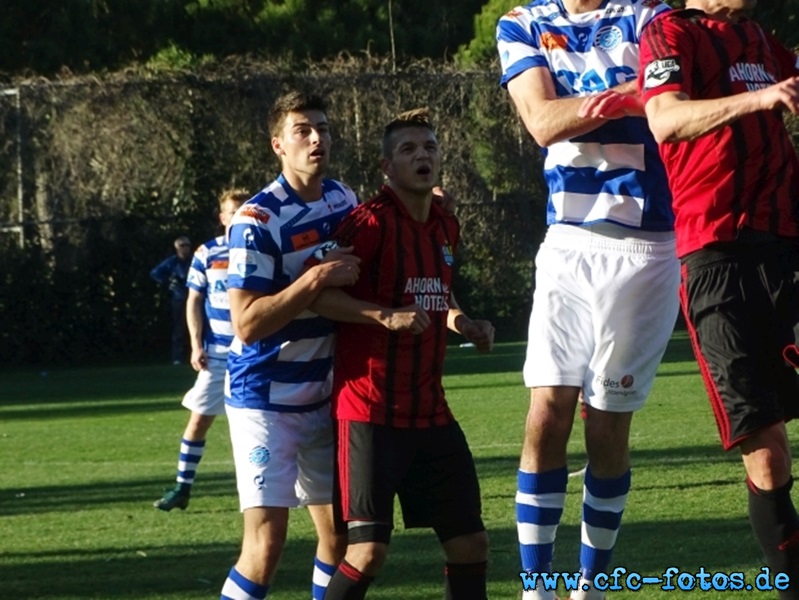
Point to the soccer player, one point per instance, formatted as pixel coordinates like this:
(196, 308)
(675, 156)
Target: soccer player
(606, 281)
(172, 273)
(714, 85)
(279, 367)
(396, 433)
(210, 334)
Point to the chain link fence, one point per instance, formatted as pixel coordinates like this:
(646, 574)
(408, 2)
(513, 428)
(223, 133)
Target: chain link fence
(97, 176)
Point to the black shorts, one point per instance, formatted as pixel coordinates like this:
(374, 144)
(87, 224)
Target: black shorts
(741, 305)
(430, 469)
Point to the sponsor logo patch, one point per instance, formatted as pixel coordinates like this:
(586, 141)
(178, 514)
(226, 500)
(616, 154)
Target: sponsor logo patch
(663, 71)
(324, 248)
(305, 239)
(553, 41)
(246, 268)
(254, 211)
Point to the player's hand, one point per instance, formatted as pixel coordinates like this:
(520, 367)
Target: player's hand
(480, 333)
(444, 199)
(781, 95)
(199, 359)
(410, 318)
(339, 267)
(610, 104)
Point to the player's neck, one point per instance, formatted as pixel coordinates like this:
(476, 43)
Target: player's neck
(417, 204)
(308, 187)
(716, 10)
(581, 6)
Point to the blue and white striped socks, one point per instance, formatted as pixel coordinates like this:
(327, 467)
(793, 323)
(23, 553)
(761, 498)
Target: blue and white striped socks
(539, 507)
(238, 587)
(322, 573)
(603, 506)
(190, 455)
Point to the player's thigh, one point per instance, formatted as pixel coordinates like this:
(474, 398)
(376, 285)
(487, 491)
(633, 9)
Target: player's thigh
(739, 336)
(560, 334)
(441, 489)
(315, 458)
(265, 455)
(635, 309)
(372, 460)
(207, 396)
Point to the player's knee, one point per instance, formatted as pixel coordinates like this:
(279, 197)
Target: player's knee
(367, 557)
(469, 548)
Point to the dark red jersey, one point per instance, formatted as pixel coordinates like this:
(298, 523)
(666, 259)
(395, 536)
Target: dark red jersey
(386, 377)
(745, 174)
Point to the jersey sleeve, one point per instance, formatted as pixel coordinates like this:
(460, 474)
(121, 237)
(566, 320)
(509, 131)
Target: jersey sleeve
(360, 230)
(787, 59)
(197, 279)
(666, 58)
(517, 45)
(649, 9)
(253, 251)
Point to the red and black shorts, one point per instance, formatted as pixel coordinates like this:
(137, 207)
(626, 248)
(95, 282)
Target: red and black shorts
(431, 470)
(741, 304)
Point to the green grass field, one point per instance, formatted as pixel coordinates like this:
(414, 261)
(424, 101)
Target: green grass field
(84, 452)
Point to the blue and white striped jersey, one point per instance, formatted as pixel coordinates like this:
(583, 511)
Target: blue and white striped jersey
(613, 173)
(270, 238)
(208, 276)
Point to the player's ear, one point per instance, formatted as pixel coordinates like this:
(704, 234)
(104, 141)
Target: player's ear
(277, 146)
(386, 167)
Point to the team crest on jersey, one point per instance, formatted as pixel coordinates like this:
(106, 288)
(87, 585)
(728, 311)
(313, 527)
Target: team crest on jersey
(553, 41)
(259, 456)
(254, 211)
(446, 250)
(608, 38)
(663, 71)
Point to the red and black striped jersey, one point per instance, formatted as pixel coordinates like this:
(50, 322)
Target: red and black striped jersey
(385, 377)
(744, 174)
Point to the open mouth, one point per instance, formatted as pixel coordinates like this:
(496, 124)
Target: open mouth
(424, 170)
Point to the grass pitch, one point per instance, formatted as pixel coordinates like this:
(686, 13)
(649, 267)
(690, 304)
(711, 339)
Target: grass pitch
(85, 452)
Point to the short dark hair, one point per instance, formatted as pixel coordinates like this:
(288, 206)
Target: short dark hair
(418, 117)
(294, 101)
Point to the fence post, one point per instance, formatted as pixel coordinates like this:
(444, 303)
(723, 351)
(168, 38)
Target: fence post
(20, 226)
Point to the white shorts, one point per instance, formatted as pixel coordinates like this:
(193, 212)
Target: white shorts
(207, 397)
(603, 311)
(282, 459)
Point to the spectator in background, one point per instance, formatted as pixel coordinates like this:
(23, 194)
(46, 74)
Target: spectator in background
(210, 334)
(172, 272)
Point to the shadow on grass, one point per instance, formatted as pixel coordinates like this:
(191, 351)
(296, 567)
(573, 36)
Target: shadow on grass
(26, 388)
(414, 566)
(59, 498)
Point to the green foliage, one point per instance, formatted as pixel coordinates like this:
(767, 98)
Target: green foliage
(94, 35)
(483, 47)
(173, 58)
